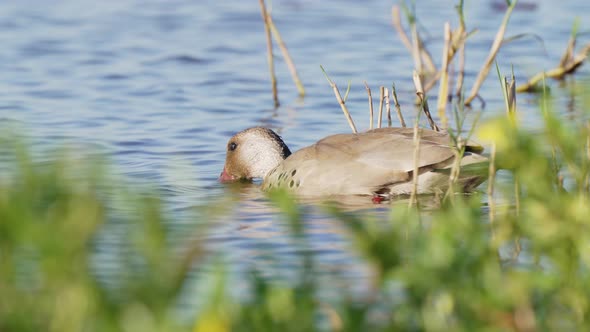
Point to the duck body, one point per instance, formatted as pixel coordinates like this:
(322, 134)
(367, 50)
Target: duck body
(376, 162)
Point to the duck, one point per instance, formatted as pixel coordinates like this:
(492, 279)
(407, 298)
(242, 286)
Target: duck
(377, 163)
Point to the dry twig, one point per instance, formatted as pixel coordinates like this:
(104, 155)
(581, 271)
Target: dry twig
(341, 102)
(398, 109)
(287, 56)
(423, 101)
(460, 37)
(491, 179)
(416, 140)
(271, 66)
(557, 73)
(458, 151)
(423, 53)
(381, 96)
(370, 106)
(388, 107)
(443, 87)
(461, 71)
(483, 73)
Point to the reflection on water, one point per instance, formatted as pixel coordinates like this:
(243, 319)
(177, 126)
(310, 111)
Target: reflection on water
(161, 86)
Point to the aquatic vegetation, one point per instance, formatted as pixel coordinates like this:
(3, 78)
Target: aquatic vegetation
(515, 258)
(451, 268)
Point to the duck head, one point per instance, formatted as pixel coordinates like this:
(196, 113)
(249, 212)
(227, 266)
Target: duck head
(252, 153)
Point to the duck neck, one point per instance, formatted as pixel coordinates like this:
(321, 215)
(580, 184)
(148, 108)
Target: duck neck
(272, 159)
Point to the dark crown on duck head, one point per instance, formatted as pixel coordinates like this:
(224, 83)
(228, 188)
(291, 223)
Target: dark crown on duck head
(285, 152)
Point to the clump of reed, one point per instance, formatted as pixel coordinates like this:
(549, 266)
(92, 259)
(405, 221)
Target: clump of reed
(425, 70)
(568, 64)
(455, 43)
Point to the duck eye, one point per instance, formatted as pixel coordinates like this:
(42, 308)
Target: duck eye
(232, 146)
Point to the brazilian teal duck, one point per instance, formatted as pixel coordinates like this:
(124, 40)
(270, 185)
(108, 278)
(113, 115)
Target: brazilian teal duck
(379, 162)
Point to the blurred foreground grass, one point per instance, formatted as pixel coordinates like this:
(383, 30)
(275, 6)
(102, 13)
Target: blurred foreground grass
(452, 269)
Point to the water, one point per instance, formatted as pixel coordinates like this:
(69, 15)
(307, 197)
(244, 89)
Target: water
(160, 86)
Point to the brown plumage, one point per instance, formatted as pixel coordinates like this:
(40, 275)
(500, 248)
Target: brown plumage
(376, 162)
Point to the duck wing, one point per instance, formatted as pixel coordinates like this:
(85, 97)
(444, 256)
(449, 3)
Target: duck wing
(346, 164)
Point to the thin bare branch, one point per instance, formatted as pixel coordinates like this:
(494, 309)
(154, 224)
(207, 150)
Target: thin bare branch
(388, 107)
(347, 91)
(287, 56)
(381, 97)
(568, 55)
(512, 94)
(458, 151)
(432, 81)
(424, 102)
(461, 71)
(424, 55)
(491, 180)
(443, 87)
(398, 109)
(416, 47)
(397, 24)
(370, 106)
(483, 73)
(269, 55)
(341, 102)
(459, 39)
(415, 170)
(556, 73)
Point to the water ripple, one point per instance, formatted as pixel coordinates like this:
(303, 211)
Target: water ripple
(161, 86)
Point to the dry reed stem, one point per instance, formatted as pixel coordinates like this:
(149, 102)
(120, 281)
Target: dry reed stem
(370, 106)
(286, 56)
(432, 81)
(397, 24)
(427, 57)
(398, 109)
(568, 55)
(343, 107)
(269, 55)
(416, 140)
(461, 29)
(416, 47)
(509, 93)
(491, 179)
(423, 101)
(461, 72)
(512, 95)
(459, 149)
(341, 102)
(556, 73)
(452, 50)
(381, 97)
(459, 40)
(443, 88)
(388, 107)
(396, 21)
(483, 73)
(504, 87)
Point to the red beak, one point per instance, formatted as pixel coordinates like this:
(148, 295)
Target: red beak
(225, 176)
